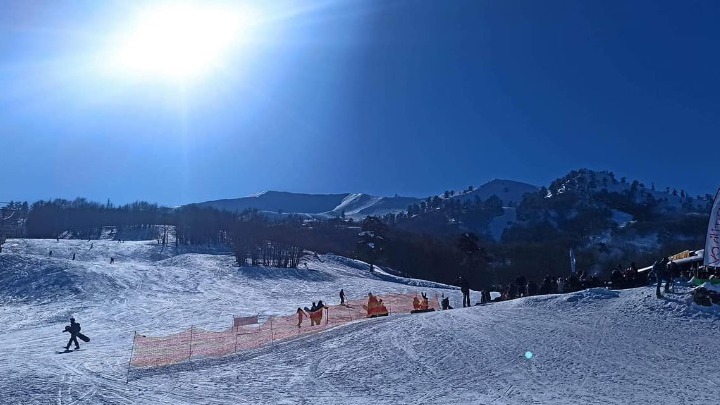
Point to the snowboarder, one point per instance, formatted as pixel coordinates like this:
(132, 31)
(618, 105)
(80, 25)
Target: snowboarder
(51, 253)
(446, 303)
(342, 297)
(465, 288)
(112, 260)
(74, 330)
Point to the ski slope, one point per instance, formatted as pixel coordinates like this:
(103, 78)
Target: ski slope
(591, 347)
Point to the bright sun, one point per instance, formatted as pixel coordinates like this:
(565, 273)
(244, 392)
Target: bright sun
(181, 41)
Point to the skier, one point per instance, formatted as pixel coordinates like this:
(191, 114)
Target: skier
(73, 329)
(342, 297)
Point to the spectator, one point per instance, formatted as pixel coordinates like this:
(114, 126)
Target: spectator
(465, 288)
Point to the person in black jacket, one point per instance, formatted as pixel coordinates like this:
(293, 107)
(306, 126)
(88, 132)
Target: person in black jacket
(73, 329)
(660, 268)
(465, 288)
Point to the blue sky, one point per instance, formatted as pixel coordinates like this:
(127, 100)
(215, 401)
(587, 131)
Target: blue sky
(384, 97)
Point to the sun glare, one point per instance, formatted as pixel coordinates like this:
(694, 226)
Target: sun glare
(182, 41)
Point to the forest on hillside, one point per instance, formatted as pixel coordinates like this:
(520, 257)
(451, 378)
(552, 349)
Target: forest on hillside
(438, 239)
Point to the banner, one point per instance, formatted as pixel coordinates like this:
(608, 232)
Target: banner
(681, 255)
(712, 241)
(572, 261)
(244, 320)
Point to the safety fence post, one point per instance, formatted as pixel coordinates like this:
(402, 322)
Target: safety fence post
(132, 351)
(272, 342)
(236, 335)
(191, 338)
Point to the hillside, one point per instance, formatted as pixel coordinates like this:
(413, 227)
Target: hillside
(588, 347)
(510, 192)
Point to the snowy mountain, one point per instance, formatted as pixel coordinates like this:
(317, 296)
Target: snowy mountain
(510, 192)
(587, 347)
(360, 205)
(356, 205)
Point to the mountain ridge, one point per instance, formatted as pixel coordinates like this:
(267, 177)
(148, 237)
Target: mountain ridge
(358, 205)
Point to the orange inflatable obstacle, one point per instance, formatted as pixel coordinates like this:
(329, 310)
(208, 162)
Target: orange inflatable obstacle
(375, 307)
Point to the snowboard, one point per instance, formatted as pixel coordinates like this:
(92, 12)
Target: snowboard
(378, 315)
(83, 337)
(67, 351)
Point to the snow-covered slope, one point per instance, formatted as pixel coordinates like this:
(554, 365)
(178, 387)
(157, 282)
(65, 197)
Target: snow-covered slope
(280, 201)
(361, 205)
(356, 205)
(590, 347)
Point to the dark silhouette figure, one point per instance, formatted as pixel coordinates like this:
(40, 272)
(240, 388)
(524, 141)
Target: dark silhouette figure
(532, 288)
(671, 268)
(73, 256)
(521, 283)
(342, 297)
(51, 253)
(465, 288)
(659, 268)
(112, 260)
(446, 303)
(73, 329)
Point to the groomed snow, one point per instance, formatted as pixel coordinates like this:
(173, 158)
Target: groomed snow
(591, 347)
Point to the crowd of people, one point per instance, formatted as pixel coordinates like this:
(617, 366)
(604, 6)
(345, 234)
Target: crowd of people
(522, 287)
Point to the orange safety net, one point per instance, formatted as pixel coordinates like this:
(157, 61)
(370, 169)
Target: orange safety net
(197, 343)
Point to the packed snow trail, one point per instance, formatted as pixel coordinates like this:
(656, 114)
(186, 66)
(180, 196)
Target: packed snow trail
(590, 347)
